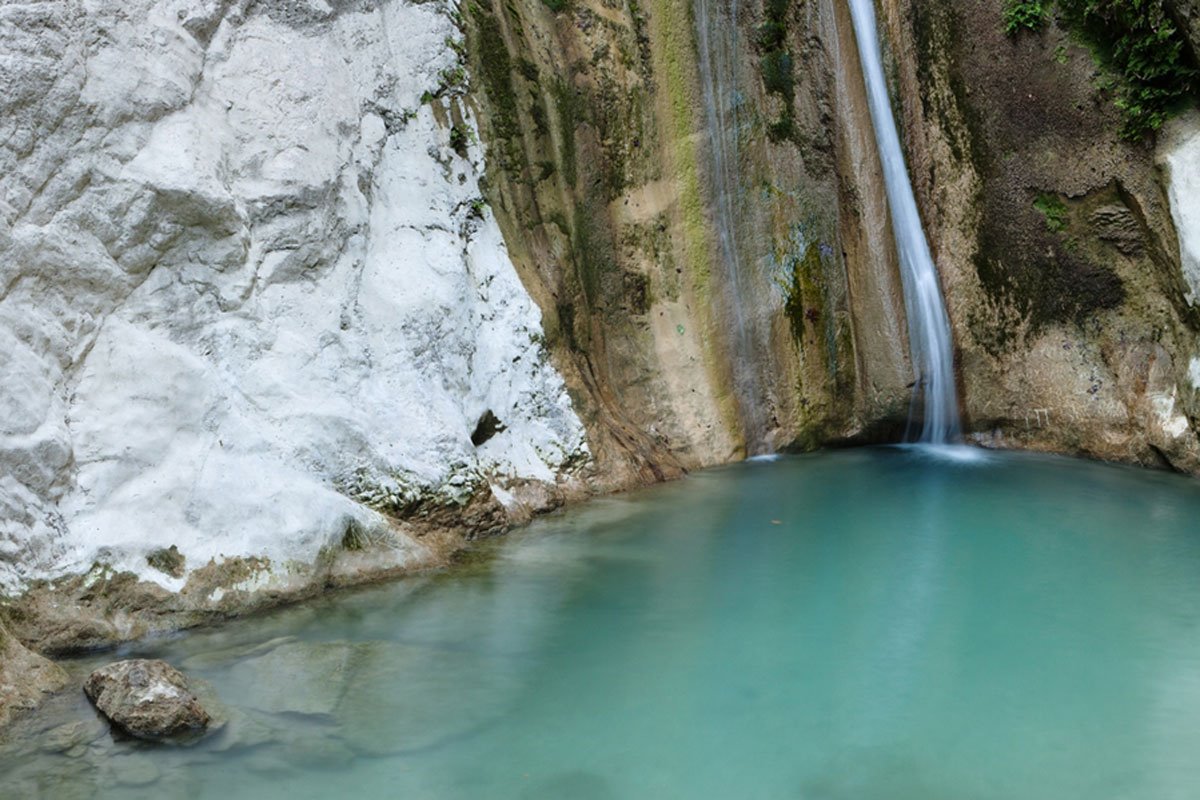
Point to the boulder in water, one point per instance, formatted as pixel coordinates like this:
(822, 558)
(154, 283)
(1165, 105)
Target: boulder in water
(146, 698)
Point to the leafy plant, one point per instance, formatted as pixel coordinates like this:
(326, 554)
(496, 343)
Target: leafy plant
(459, 138)
(1054, 210)
(1135, 40)
(1028, 15)
(1140, 43)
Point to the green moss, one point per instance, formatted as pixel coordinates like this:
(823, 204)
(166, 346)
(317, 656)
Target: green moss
(595, 260)
(1034, 277)
(528, 70)
(936, 29)
(776, 67)
(1053, 210)
(459, 140)
(615, 115)
(566, 324)
(537, 110)
(168, 560)
(675, 60)
(559, 220)
(355, 537)
(804, 306)
(641, 35)
(568, 106)
(496, 72)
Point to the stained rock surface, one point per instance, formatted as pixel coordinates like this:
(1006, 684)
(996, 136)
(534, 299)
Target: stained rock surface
(25, 677)
(146, 698)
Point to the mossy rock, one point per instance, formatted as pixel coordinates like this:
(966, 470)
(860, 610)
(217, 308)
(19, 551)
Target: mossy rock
(169, 561)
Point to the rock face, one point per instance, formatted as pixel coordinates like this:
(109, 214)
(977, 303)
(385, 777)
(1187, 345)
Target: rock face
(695, 213)
(146, 698)
(25, 677)
(1070, 259)
(1179, 155)
(261, 330)
(1187, 16)
(252, 303)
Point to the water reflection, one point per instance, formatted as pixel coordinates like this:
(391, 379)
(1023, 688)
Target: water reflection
(876, 623)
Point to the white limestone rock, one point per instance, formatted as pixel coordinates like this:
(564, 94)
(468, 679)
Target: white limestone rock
(1179, 153)
(246, 290)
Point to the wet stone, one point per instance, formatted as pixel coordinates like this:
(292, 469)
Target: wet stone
(147, 699)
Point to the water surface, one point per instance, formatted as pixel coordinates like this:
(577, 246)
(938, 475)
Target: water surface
(863, 624)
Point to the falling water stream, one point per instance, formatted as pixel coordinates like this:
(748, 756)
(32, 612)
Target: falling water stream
(716, 42)
(929, 336)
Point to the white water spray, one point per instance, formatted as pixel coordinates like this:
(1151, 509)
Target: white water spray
(928, 324)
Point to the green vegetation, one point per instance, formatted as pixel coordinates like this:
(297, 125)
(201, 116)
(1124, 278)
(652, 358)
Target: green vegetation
(355, 538)
(1028, 15)
(1140, 44)
(1054, 211)
(641, 35)
(453, 80)
(777, 73)
(937, 29)
(570, 109)
(1036, 275)
(496, 71)
(803, 291)
(459, 140)
(776, 67)
(167, 560)
(528, 70)
(1136, 41)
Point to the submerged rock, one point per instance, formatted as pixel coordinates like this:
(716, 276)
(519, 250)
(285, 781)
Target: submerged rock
(146, 698)
(295, 678)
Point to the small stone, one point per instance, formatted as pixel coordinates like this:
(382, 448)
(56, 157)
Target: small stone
(145, 698)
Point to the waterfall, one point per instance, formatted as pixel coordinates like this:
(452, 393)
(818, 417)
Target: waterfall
(928, 324)
(716, 40)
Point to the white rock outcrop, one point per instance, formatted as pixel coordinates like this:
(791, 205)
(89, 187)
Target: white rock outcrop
(1179, 154)
(248, 290)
